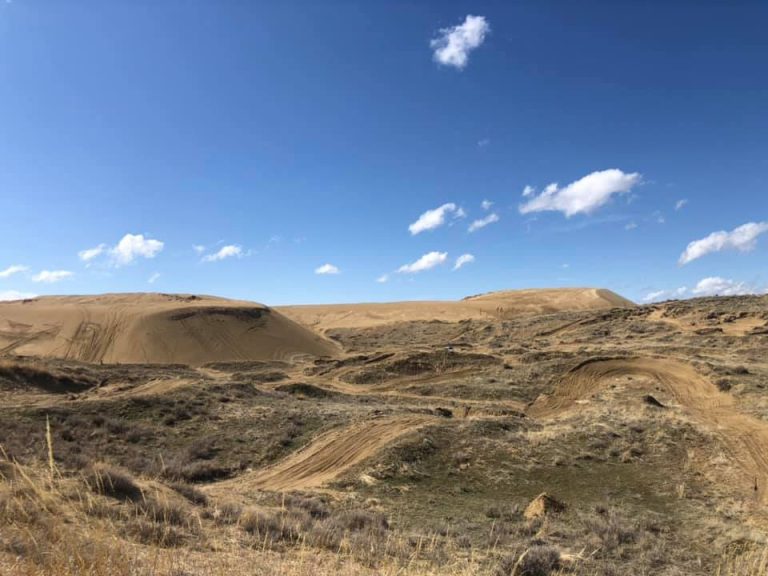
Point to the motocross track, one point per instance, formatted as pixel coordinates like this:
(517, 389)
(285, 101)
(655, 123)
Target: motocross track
(328, 456)
(745, 437)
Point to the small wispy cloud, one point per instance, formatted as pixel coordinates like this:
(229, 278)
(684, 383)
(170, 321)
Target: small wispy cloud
(665, 294)
(483, 143)
(435, 218)
(426, 262)
(154, 278)
(463, 260)
(326, 269)
(199, 249)
(454, 44)
(583, 196)
(486, 205)
(229, 251)
(483, 222)
(52, 276)
(680, 203)
(90, 253)
(11, 270)
(528, 191)
(630, 226)
(383, 279)
(743, 239)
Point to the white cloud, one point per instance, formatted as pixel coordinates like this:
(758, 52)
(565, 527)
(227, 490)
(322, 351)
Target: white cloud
(383, 279)
(528, 191)
(198, 248)
(132, 246)
(9, 295)
(52, 276)
(486, 205)
(584, 195)
(680, 203)
(665, 294)
(743, 239)
(90, 253)
(11, 270)
(454, 44)
(483, 222)
(154, 278)
(630, 226)
(327, 269)
(429, 260)
(717, 286)
(657, 295)
(129, 248)
(229, 251)
(463, 259)
(435, 218)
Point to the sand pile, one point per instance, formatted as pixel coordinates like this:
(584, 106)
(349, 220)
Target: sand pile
(154, 329)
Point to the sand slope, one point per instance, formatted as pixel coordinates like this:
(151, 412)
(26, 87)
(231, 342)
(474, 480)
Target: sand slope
(329, 455)
(152, 328)
(493, 305)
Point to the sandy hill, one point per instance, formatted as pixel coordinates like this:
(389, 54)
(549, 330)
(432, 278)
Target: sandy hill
(494, 304)
(152, 328)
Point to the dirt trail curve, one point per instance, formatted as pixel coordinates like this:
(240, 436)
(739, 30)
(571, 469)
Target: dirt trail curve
(328, 456)
(745, 437)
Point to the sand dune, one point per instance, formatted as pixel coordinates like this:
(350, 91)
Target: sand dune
(152, 328)
(492, 305)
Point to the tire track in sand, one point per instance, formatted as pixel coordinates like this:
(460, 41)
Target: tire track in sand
(328, 456)
(745, 437)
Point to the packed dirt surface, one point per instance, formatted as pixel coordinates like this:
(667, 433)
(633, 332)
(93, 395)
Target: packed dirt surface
(746, 437)
(152, 328)
(485, 306)
(329, 456)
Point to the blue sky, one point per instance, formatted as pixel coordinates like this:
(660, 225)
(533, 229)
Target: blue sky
(236, 148)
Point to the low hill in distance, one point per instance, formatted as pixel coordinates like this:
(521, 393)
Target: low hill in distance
(504, 304)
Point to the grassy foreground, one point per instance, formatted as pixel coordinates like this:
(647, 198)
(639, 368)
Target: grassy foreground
(106, 523)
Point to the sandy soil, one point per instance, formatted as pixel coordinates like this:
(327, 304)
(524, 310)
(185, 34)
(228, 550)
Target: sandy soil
(152, 328)
(494, 305)
(328, 456)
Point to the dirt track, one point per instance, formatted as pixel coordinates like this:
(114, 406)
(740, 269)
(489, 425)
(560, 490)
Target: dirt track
(745, 437)
(329, 455)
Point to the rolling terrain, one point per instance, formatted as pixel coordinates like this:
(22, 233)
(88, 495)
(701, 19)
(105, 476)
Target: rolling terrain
(202, 436)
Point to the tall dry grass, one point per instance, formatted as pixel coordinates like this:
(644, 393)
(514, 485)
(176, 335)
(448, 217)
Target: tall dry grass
(105, 524)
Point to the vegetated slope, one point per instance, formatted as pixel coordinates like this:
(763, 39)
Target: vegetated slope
(154, 329)
(745, 437)
(494, 304)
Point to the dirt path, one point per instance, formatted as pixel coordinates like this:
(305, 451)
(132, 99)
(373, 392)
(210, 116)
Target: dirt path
(738, 327)
(745, 437)
(328, 456)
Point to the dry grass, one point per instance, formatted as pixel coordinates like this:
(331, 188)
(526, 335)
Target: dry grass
(107, 525)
